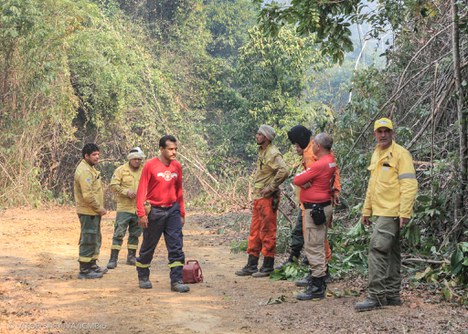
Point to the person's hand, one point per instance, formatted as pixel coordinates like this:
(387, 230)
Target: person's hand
(265, 191)
(183, 221)
(403, 221)
(131, 194)
(336, 199)
(365, 220)
(143, 221)
(102, 212)
(306, 185)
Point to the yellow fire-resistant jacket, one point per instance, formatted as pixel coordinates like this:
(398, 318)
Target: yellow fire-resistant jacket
(89, 196)
(392, 185)
(123, 180)
(271, 170)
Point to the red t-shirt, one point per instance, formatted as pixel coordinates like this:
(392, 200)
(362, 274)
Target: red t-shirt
(161, 185)
(319, 175)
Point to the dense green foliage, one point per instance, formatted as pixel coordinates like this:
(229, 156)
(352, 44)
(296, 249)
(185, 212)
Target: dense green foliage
(328, 20)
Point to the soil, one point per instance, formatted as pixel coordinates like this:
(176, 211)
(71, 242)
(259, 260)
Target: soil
(39, 291)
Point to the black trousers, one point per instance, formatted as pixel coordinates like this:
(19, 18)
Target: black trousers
(297, 237)
(167, 222)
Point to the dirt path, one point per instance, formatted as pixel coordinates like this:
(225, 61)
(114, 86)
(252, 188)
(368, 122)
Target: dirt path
(39, 292)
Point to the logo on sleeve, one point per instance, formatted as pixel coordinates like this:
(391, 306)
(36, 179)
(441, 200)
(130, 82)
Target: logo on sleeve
(167, 175)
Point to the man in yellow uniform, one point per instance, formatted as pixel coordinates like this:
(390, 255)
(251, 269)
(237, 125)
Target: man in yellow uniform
(89, 198)
(124, 184)
(390, 196)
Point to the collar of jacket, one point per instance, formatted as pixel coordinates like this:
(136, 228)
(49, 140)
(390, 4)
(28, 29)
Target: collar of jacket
(389, 151)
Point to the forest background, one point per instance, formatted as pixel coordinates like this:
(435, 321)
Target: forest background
(123, 73)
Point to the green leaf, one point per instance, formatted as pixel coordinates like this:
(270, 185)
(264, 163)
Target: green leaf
(421, 275)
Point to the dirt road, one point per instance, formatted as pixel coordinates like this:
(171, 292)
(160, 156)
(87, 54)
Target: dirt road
(39, 292)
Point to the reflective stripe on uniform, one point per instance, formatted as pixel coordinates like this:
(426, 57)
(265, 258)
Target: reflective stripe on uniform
(130, 246)
(85, 259)
(141, 265)
(407, 176)
(175, 264)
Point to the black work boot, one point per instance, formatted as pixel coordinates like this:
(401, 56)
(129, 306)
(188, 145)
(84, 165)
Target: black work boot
(394, 301)
(179, 286)
(304, 282)
(131, 257)
(250, 267)
(315, 290)
(328, 276)
(87, 273)
(266, 269)
(113, 259)
(144, 282)
(143, 278)
(96, 268)
(370, 303)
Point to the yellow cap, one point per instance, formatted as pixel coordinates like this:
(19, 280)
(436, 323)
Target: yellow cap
(383, 123)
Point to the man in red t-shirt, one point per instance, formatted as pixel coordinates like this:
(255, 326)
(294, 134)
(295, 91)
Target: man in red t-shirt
(316, 200)
(161, 186)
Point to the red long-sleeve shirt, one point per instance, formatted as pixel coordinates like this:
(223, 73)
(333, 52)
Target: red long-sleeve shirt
(161, 185)
(319, 175)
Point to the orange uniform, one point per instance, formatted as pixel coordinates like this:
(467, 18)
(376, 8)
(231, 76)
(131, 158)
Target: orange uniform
(271, 171)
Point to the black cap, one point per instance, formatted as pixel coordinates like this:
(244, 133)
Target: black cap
(300, 135)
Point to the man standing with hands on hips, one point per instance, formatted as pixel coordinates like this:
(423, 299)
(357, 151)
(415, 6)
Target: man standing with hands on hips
(161, 185)
(390, 196)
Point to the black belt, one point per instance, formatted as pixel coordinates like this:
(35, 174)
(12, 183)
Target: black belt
(308, 205)
(162, 207)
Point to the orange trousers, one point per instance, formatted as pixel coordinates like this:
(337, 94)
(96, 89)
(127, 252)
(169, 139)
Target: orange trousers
(262, 237)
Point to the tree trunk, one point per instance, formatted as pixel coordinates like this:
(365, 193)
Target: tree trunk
(462, 120)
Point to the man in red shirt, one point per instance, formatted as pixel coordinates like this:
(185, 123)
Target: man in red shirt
(161, 186)
(316, 200)
(302, 138)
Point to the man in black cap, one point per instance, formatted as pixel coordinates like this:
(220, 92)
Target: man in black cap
(301, 137)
